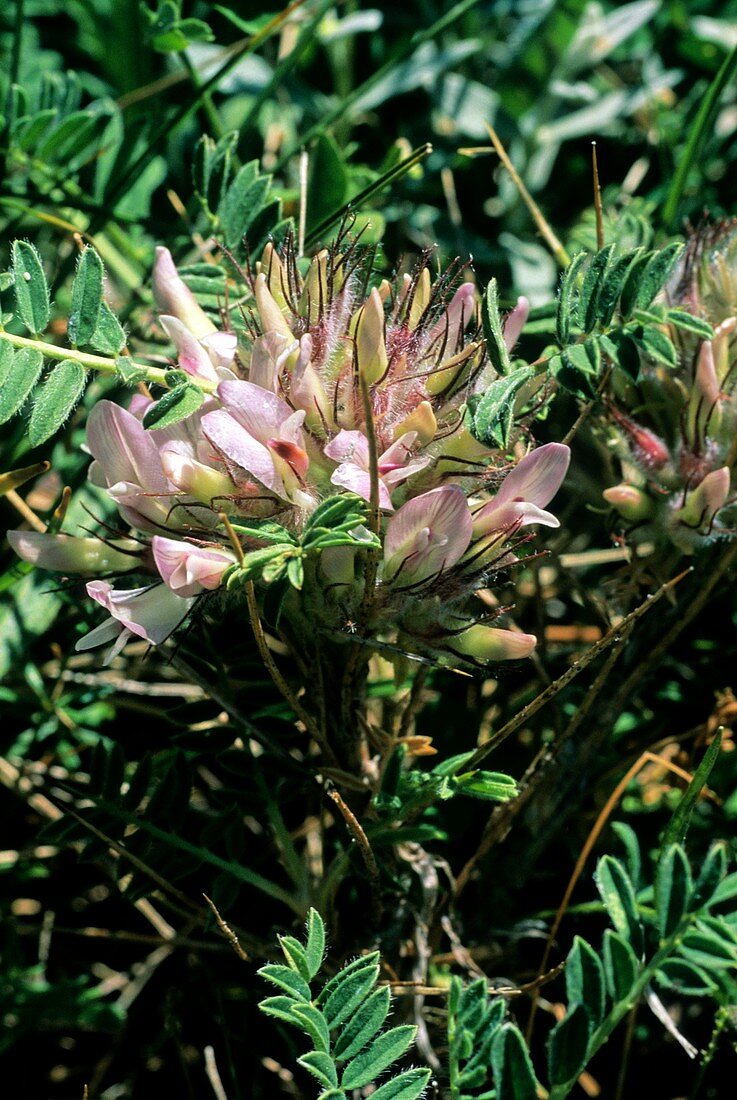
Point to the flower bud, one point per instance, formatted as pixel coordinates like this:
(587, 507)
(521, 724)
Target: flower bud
(370, 344)
(631, 503)
(272, 318)
(276, 275)
(703, 502)
(68, 554)
(488, 643)
(174, 297)
(315, 297)
(421, 420)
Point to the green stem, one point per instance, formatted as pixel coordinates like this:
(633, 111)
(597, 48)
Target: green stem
(155, 375)
(699, 132)
(208, 107)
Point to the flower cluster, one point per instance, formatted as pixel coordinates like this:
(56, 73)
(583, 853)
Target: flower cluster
(677, 447)
(331, 458)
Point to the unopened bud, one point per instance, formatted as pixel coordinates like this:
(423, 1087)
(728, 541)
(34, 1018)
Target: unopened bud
(315, 293)
(174, 297)
(371, 354)
(421, 420)
(272, 318)
(631, 503)
(68, 554)
(488, 643)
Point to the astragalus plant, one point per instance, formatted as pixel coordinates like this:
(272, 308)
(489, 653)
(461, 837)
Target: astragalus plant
(311, 466)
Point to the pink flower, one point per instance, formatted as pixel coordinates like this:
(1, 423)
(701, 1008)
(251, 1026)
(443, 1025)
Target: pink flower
(351, 450)
(515, 322)
(258, 431)
(189, 570)
(525, 491)
(151, 613)
(428, 534)
(128, 465)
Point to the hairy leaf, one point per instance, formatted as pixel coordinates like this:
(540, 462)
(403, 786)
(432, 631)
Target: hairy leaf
(364, 1024)
(26, 367)
(568, 1046)
(514, 1077)
(176, 404)
(87, 291)
(620, 965)
(493, 330)
(618, 896)
(382, 1053)
(31, 288)
(672, 889)
(54, 401)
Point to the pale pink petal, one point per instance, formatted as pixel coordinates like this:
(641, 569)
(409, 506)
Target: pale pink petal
(429, 533)
(173, 296)
(510, 515)
(221, 347)
(489, 643)
(457, 316)
(191, 356)
(515, 322)
(349, 446)
(123, 449)
(358, 481)
(261, 413)
(151, 613)
(233, 441)
(187, 569)
(268, 355)
(537, 477)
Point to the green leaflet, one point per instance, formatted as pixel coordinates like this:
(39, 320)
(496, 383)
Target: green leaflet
(315, 946)
(176, 404)
(377, 1057)
(31, 288)
(348, 994)
(514, 1076)
(678, 825)
(584, 976)
(568, 1046)
(23, 375)
(620, 965)
(109, 336)
(566, 298)
(493, 330)
(287, 979)
(494, 416)
(673, 888)
(54, 401)
(618, 896)
(366, 1022)
(409, 1085)
(87, 292)
(322, 1067)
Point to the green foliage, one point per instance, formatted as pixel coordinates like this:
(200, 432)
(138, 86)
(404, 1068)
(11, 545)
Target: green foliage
(344, 1021)
(694, 952)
